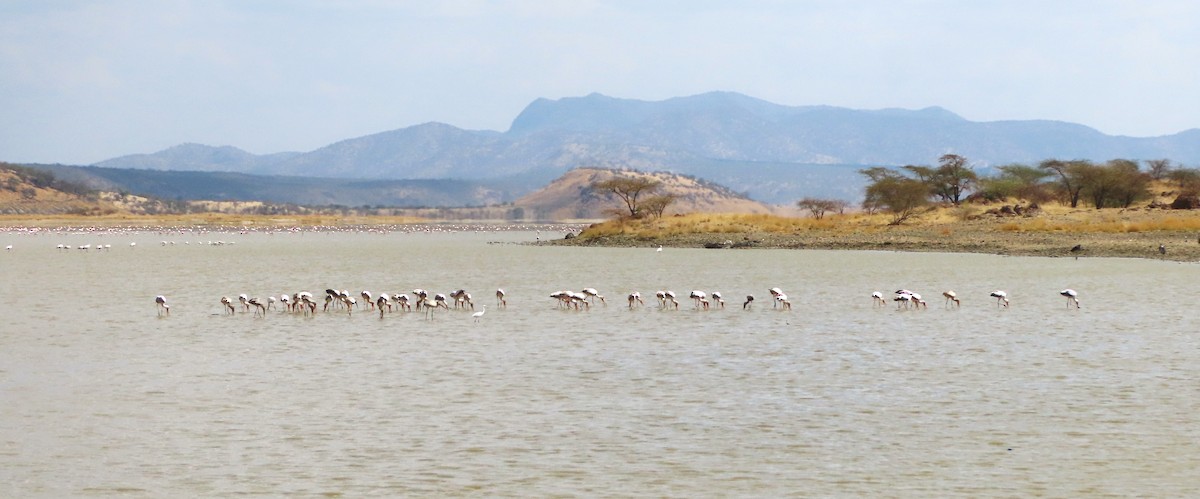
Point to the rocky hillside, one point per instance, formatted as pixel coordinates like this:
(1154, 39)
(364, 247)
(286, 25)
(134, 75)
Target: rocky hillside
(34, 191)
(571, 196)
(28, 191)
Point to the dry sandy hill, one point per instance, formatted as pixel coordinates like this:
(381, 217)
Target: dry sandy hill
(571, 197)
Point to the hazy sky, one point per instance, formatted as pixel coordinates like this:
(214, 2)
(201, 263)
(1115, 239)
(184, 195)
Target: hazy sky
(84, 81)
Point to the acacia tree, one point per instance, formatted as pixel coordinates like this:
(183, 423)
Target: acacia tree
(1070, 183)
(895, 192)
(818, 207)
(658, 203)
(630, 191)
(1159, 168)
(1188, 179)
(1016, 180)
(950, 181)
(1096, 183)
(953, 178)
(1132, 184)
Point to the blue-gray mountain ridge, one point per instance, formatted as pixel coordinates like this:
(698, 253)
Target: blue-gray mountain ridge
(774, 153)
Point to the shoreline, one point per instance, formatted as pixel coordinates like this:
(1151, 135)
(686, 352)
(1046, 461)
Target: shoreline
(1180, 245)
(998, 237)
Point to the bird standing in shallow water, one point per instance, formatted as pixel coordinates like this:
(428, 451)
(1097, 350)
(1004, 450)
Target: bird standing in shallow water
(1072, 297)
(479, 314)
(1001, 297)
(951, 297)
(161, 301)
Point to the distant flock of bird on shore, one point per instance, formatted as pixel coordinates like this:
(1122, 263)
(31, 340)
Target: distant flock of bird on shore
(303, 302)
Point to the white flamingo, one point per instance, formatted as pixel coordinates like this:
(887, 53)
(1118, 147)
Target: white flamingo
(917, 301)
(569, 299)
(698, 298)
(904, 298)
(670, 296)
(579, 299)
(592, 294)
(384, 300)
(161, 303)
(428, 305)
(775, 294)
(306, 301)
(562, 297)
(951, 297)
(877, 299)
(259, 308)
(1072, 297)
(716, 295)
(500, 301)
(782, 299)
(462, 298)
(635, 298)
(1001, 298)
(228, 304)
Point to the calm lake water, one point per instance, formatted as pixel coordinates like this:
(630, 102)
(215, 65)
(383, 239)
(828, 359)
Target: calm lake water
(101, 396)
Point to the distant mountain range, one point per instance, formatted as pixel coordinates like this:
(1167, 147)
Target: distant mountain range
(772, 153)
(567, 198)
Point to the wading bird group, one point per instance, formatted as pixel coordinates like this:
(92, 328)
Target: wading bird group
(420, 300)
(339, 301)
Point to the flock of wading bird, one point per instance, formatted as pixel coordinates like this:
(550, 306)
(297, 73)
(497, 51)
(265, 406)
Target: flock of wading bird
(338, 301)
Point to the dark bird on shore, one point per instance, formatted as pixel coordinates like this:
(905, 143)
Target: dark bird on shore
(1077, 248)
(1162, 249)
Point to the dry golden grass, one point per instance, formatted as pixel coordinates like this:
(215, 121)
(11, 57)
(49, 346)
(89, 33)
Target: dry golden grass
(1107, 222)
(1052, 231)
(716, 223)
